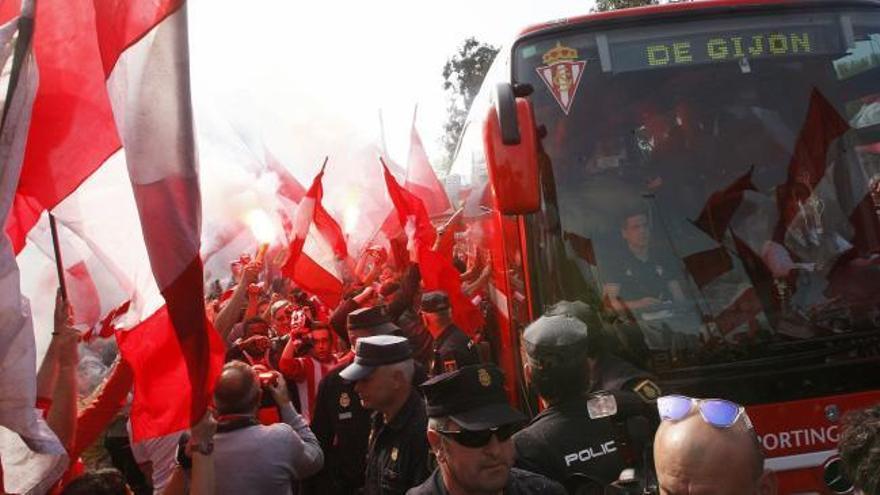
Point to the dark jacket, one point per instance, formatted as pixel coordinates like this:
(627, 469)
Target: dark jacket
(519, 483)
(562, 441)
(453, 350)
(397, 459)
(342, 426)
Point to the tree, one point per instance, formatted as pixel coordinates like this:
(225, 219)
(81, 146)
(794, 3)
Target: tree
(463, 74)
(605, 5)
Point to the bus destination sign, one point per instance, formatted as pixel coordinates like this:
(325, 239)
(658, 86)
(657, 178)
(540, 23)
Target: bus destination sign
(655, 53)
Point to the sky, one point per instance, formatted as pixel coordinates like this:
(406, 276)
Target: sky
(280, 69)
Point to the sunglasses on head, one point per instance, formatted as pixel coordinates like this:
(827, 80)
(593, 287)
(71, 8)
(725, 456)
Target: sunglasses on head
(719, 413)
(475, 439)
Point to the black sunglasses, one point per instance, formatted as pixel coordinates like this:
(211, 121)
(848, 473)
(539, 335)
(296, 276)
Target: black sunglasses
(476, 439)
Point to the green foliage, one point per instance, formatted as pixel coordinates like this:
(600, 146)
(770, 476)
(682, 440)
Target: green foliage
(605, 5)
(463, 74)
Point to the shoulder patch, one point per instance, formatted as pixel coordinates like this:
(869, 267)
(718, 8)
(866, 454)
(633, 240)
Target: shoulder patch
(647, 390)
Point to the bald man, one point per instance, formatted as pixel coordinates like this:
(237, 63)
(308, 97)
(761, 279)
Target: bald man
(693, 457)
(253, 458)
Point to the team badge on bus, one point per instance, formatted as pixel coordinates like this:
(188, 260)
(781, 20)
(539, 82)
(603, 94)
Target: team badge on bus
(562, 73)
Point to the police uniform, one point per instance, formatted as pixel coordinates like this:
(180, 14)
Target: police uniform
(562, 442)
(452, 348)
(340, 422)
(612, 373)
(342, 426)
(473, 397)
(609, 372)
(397, 451)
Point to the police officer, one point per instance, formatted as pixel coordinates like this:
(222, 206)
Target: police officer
(452, 348)
(470, 431)
(562, 442)
(397, 452)
(340, 422)
(607, 371)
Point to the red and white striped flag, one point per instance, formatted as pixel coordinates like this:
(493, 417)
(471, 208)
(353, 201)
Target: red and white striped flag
(421, 179)
(31, 455)
(175, 349)
(313, 262)
(139, 212)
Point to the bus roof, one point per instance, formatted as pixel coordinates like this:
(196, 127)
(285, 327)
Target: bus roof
(726, 6)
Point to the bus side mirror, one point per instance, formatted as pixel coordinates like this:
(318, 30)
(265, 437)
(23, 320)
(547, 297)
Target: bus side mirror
(510, 140)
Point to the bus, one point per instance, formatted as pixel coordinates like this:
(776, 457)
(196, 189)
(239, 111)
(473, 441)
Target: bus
(707, 176)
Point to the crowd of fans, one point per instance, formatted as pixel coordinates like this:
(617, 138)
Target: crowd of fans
(382, 394)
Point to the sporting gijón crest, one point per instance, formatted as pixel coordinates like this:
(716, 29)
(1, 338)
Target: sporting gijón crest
(562, 73)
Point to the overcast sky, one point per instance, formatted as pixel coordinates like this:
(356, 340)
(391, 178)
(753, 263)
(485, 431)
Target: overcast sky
(279, 66)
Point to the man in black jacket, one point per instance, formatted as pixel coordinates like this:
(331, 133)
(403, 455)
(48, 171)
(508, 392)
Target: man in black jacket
(397, 453)
(452, 348)
(470, 430)
(562, 442)
(340, 422)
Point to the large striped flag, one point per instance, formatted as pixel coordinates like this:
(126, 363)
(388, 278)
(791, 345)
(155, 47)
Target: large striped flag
(313, 253)
(31, 455)
(116, 74)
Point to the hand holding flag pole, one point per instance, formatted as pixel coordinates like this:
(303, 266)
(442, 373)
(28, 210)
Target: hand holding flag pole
(59, 266)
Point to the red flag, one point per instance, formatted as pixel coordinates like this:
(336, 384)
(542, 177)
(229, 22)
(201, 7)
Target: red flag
(76, 45)
(743, 310)
(421, 179)
(410, 211)
(174, 352)
(438, 272)
(302, 222)
(33, 458)
(153, 352)
(291, 189)
(822, 126)
(312, 254)
(316, 279)
(721, 206)
(582, 246)
(706, 266)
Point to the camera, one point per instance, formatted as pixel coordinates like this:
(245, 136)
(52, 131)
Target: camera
(268, 379)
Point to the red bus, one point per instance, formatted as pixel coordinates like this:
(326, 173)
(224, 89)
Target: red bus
(737, 142)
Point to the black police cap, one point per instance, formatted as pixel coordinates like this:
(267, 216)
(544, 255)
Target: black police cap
(556, 340)
(435, 301)
(472, 396)
(374, 318)
(578, 309)
(373, 352)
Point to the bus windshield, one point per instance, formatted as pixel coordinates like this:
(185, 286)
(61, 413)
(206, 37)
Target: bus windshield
(713, 184)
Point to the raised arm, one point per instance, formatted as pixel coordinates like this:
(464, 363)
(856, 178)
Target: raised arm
(231, 313)
(306, 457)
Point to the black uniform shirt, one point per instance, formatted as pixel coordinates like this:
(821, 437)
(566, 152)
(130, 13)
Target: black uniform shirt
(563, 441)
(519, 483)
(452, 350)
(342, 426)
(397, 459)
(612, 373)
(638, 279)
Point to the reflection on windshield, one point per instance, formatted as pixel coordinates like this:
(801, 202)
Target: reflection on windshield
(721, 205)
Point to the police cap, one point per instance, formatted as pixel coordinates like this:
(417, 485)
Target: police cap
(373, 352)
(375, 319)
(472, 396)
(435, 301)
(556, 340)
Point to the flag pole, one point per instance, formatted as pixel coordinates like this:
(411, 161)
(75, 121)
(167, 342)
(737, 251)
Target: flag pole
(59, 266)
(382, 133)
